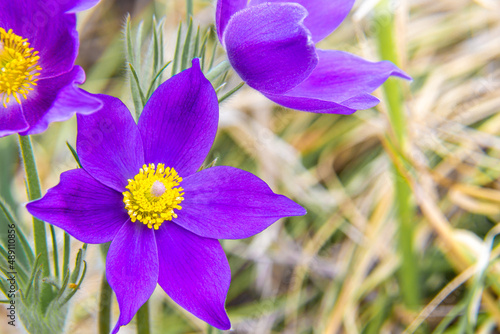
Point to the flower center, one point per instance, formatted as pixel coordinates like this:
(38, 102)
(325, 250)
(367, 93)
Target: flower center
(18, 67)
(153, 195)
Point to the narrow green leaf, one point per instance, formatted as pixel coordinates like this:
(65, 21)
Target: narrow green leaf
(231, 92)
(152, 85)
(72, 293)
(138, 43)
(187, 45)
(21, 271)
(19, 233)
(201, 54)
(177, 50)
(136, 78)
(75, 155)
(33, 274)
(218, 89)
(3, 288)
(55, 251)
(196, 43)
(189, 9)
(7, 274)
(66, 255)
(212, 59)
(78, 263)
(156, 48)
(63, 286)
(221, 69)
(128, 40)
(37, 288)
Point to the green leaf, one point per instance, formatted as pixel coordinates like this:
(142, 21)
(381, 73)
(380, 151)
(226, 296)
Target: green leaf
(27, 251)
(75, 155)
(187, 44)
(66, 255)
(152, 85)
(177, 51)
(231, 92)
(137, 83)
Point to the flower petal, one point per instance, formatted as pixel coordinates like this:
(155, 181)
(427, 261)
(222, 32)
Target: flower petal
(179, 122)
(229, 203)
(269, 46)
(132, 269)
(11, 119)
(80, 5)
(49, 31)
(226, 9)
(83, 207)
(109, 144)
(57, 99)
(195, 273)
(340, 84)
(324, 15)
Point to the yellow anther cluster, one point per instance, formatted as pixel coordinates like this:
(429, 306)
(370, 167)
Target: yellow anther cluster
(18, 67)
(153, 195)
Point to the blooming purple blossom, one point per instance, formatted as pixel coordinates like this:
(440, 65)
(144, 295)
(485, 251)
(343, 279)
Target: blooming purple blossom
(38, 78)
(271, 45)
(139, 188)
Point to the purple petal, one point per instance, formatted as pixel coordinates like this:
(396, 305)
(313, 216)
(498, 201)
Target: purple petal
(341, 84)
(226, 9)
(11, 119)
(269, 46)
(49, 31)
(324, 15)
(195, 273)
(109, 144)
(179, 122)
(132, 269)
(229, 203)
(80, 5)
(83, 207)
(57, 99)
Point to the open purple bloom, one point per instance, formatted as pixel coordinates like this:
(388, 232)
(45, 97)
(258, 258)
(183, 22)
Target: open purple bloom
(38, 78)
(271, 45)
(139, 188)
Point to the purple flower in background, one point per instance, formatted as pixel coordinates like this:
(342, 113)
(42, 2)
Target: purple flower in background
(38, 78)
(271, 45)
(139, 188)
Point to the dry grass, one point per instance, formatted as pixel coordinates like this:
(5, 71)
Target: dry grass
(335, 270)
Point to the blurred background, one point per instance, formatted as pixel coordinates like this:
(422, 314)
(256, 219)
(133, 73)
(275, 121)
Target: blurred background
(401, 224)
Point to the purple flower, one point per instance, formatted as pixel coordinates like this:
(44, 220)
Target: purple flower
(139, 188)
(271, 45)
(38, 78)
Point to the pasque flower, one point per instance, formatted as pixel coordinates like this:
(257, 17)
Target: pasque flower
(38, 78)
(139, 188)
(271, 45)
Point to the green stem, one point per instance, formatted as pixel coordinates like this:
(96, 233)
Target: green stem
(34, 192)
(143, 319)
(104, 317)
(409, 271)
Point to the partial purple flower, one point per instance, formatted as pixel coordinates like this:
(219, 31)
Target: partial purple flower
(139, 188)
(38, 78)
(271, 45)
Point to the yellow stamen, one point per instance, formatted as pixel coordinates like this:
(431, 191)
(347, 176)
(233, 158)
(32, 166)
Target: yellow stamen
(153, 195)
(19, 69)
